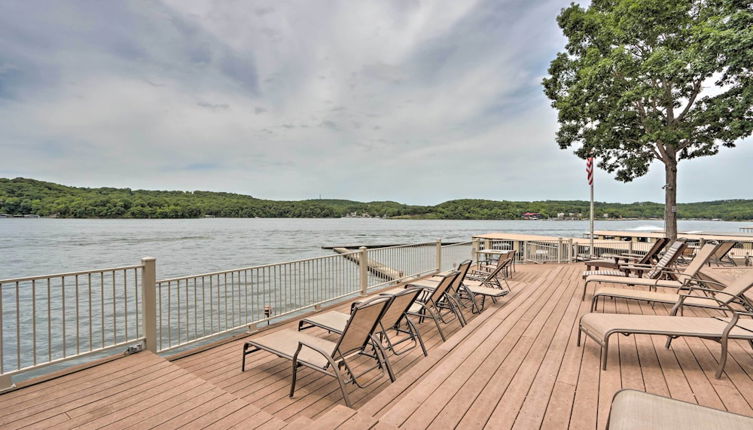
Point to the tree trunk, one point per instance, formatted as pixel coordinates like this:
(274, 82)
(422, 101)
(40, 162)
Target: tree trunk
(670, 197)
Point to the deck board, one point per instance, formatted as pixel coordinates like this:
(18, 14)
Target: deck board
(516, 365)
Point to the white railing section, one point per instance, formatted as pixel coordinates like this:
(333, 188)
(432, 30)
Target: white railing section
(197, 307)
(605, 248)
(453, 255)
(561, 250)
(392, 264)
(52, 318)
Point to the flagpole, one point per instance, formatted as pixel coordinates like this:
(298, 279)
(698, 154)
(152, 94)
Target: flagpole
(592, 219)
(590, 176)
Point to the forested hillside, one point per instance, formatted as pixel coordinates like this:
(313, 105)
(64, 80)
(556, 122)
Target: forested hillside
(23, 196)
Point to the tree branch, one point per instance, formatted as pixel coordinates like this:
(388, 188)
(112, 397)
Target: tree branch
(691, 100)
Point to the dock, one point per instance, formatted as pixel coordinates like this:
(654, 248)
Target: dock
(516, 365)
(374, 267)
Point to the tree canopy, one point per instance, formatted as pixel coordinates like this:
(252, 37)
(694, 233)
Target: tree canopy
(645, 80)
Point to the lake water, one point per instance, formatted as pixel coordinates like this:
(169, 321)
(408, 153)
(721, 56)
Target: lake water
(189, 246)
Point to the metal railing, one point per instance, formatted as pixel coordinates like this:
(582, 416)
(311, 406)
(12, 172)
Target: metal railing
(453, 255)
(197, 307)
(48, 319)
(603, 248)
(398, 263)
(560, 250)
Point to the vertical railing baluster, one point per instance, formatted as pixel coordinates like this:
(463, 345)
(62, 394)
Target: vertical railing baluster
(195, 309)
(62, 289)
(245, 294)
(219, 306)
(177, 301)
(188, 325)
(224, 288)
(18, 327)
(33, 321)
(203, 307)
(78, 320)
(136, 299)
(125, 303)
(169, 314)
(2, 336)
(102, 306)
(211, 305)
(49, 320)
(114, 312)
(89, 288)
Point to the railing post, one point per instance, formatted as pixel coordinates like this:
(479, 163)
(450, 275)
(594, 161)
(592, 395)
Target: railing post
(474, 249)
(559, 250)
(149, 302)
(363, 269)
(630, 246)
(439, 255)
(570, 254)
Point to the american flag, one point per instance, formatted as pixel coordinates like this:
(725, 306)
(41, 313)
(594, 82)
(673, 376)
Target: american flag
(590, 170)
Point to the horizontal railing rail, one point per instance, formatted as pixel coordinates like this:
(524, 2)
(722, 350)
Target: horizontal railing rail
(194, 308)
(393, 264)
(48, 319)
(452, 255)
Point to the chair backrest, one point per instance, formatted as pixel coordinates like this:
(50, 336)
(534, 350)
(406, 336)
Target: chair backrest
(364, 318)
(654, 251)
(504, 261)
(669, 257)
(723, 249)
(443, 286)
(463, 269)
(738, 287)
(700, 259)
(399, 305)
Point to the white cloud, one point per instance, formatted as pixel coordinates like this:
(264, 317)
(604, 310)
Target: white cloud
(418, 101)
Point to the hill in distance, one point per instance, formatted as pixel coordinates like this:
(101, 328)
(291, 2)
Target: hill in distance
(23, 196)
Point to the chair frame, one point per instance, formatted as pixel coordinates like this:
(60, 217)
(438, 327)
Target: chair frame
(722, 338)
(337, 359)
(412, 331)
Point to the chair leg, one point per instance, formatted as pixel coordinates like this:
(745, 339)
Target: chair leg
(342, 388)
(294, 378)
(456, 309)
(382, 358)
(436, 321)
(604, 354)
(417, 335)
(722, 360)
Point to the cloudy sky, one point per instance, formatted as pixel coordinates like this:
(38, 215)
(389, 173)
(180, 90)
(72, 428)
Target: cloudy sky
(415, 101)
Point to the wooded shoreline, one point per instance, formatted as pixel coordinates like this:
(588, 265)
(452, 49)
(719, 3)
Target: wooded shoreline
(22, 196)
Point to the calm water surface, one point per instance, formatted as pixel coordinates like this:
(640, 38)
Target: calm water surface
(190, 246)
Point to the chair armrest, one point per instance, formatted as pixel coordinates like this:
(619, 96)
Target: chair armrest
(301, 344)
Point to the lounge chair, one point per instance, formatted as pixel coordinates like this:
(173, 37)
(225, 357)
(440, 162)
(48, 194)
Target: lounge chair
(669, 258)
(326, 356)
(616, 261)
(659, 276)
(600, 327)
(636, 410)
(453, 291)
(721, 256)
(698, 294)
(402, 300)
(506, 260)
(464, 288)
(429, 304)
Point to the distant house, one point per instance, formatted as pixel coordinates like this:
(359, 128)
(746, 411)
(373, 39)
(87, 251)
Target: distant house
(532, 215)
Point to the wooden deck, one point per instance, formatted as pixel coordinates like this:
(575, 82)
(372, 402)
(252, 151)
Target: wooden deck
(514, 366)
